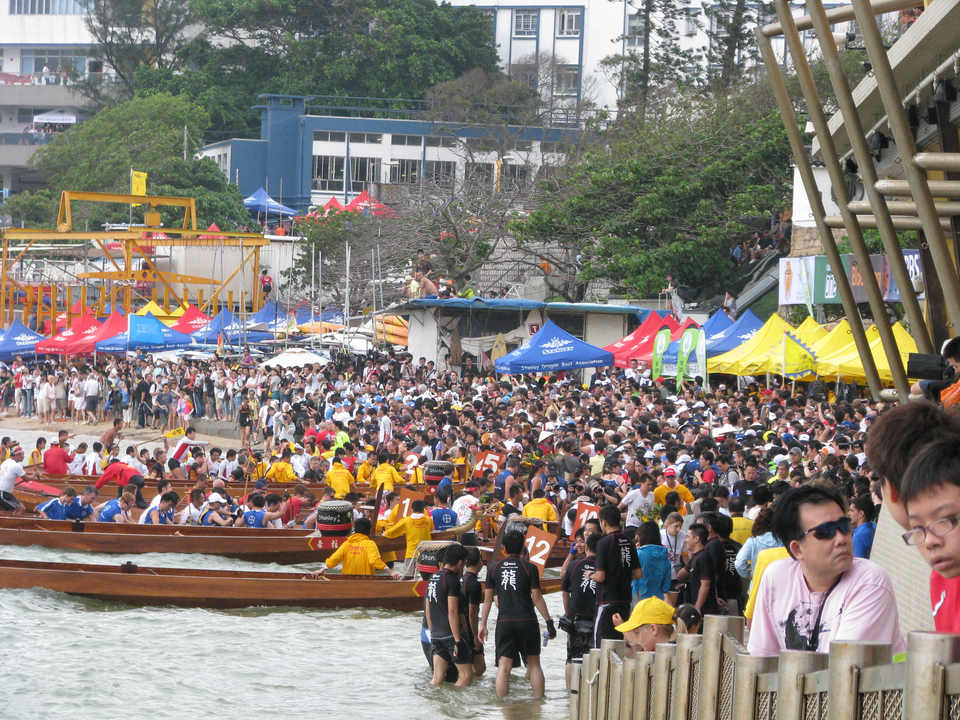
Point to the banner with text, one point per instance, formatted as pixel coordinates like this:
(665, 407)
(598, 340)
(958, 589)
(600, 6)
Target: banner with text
(810, 278)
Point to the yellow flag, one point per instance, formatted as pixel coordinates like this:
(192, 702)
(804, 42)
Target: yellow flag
(175, 433)
(798, 359)
(138, 182)
(499, 348)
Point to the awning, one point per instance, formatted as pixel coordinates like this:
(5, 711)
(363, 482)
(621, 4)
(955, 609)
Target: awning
(57, 117)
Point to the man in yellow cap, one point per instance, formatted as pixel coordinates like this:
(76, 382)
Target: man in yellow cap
(651, 622)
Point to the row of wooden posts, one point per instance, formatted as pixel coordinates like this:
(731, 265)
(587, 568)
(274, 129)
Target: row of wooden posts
(712, 677)
(47, 301)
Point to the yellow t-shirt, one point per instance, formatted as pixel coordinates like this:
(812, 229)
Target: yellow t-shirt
(540, 508)
(416, 527)
(764, 558)
(281, 472)
(385, 475)
(742, 528)
(660, 495)
(359, 555)
(340, 479)
(364, 472)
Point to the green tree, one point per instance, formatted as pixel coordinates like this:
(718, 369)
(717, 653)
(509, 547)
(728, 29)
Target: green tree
(671, 195)
(654, 62)
(732, 49)
(31, 209)
(146, 134)
(132, 33)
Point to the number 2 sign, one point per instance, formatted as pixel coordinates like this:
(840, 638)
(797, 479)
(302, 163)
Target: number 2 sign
(539, 544)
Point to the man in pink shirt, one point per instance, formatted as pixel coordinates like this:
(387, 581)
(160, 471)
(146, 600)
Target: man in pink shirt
(821, 593)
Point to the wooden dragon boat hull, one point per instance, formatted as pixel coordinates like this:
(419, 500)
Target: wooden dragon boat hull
(217, 588)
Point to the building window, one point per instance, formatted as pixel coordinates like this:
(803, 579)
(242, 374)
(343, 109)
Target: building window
(719, 25)
(55, 60)
(524, 145)
(441, 173)
(326, 136)
(47, 7)
(366, 138)
(414, 140)
(567, 80)
(479, 173)
(525, 23)
(568, 22)
(363, 170)
(690, 21)
(513, 177)
(635, 30)
(447, 141)
(328, 173)
(525, 74)
(405, 171)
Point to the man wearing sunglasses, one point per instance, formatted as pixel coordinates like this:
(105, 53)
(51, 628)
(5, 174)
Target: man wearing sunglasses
(821, 592)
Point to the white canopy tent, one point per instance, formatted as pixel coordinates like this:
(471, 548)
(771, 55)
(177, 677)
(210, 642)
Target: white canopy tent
(60, 116)
(296, 357)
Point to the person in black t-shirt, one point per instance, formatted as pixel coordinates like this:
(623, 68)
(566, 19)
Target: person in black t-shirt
(617, 566)
(516, 583)
(723, 554)
(471, 598)
(442, 606)
(580, 603)
(698, 573)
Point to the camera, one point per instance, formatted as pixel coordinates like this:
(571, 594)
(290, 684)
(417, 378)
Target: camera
(925, 366)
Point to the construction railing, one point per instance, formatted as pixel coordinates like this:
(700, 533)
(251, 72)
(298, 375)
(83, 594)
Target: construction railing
(711, 677)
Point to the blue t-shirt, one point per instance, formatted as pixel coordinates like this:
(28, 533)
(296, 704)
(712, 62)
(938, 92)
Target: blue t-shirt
(655, 563)
(54, 509)
(443, 518)
(254, 518)
(110, 511)
(166, 517)
(78, 511)
(863, 539)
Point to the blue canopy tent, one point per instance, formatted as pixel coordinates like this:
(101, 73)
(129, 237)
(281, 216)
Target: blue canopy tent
(553, 348)
(715, 324)
(261, 203)
(209, 334)
(146, 332)
(18, 339)
(742, 330)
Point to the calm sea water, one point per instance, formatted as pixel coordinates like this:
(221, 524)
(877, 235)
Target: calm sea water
(68, 657)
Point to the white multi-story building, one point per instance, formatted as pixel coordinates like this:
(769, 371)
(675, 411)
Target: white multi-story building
(44, 48)
(574, 36)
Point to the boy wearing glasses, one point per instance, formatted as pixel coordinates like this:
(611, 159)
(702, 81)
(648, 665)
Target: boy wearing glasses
(821, 593)
(931, 494)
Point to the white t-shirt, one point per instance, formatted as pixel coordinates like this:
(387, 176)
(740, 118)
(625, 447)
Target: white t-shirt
(634, 501)
(861, 608)
(10, 472)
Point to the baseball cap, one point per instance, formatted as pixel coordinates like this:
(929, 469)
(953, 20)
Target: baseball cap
(670, 472)
(651, 611)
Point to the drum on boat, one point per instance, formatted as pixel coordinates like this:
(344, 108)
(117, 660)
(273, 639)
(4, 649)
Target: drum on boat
(429, 554)
(434, 471)
(335, 517)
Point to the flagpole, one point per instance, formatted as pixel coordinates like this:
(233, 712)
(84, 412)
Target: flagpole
(130, 208)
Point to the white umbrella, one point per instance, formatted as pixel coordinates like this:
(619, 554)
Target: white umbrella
(296, 357)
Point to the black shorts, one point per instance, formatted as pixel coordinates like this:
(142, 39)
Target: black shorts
(446, 648)
(579, 644)
(8, 501)
(603, 626)
(517, 638)
(91, 403)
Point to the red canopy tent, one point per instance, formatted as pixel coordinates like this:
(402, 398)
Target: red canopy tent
(625, 349)
(85, 324)
(86, 341)
(364, 201)
(644, 351)
(333, 205)
(214, 229)
(191, 321)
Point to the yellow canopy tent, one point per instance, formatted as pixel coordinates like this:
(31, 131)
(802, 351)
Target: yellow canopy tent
(167, 318)
(771, 359)
(829, 365)
(850, 367)
(767, 336)
(840, 338)
(317, 327)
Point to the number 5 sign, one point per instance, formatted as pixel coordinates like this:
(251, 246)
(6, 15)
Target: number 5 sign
(539, 544)
(585, 511)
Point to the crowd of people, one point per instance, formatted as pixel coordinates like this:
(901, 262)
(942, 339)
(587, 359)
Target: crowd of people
(753, 501)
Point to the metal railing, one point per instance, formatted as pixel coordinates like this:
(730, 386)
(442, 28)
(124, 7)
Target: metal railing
(711, 677)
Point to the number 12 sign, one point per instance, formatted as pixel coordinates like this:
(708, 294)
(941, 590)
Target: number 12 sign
(539, 544)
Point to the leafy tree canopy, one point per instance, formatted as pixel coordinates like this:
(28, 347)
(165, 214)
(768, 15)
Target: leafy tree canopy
(145, 134)
(672, 194)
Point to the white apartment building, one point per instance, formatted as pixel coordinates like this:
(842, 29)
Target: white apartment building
(44, 44)
(575, 35)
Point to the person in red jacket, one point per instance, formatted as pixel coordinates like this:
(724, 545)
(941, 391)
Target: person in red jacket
(57, 458)
(124, 475)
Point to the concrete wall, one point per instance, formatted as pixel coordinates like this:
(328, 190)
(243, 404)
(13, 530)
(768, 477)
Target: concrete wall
(423, 335)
